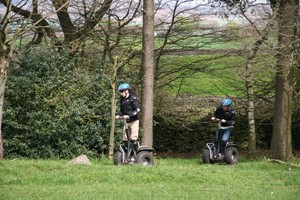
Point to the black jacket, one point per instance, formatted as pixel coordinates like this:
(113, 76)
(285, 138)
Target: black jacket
(129, 106)
(228, 115)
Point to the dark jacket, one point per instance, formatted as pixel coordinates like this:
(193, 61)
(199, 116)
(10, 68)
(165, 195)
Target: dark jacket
(129, 106)
(228, 115)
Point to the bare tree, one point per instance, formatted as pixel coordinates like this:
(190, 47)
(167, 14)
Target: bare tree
(117, 53)
(281, 145)
(249, 73)
(113, 83)
(89, 12)
(42, 27)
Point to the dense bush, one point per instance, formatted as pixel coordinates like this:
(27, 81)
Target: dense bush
(55, 108)
(176, 132)
(180, 134)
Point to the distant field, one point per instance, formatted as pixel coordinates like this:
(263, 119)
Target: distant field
(211, 43)
(214, 74)
(204, 75)
(217, 71)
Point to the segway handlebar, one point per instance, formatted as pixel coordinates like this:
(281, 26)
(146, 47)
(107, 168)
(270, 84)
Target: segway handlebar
(122, 117)
(219, 123)
(215, 119)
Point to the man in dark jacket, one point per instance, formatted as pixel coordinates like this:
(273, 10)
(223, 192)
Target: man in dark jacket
(226, 114)
(129, 109)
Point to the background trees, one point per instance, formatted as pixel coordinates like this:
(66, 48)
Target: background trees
(286, 62)
(101, 42)
(288, 13)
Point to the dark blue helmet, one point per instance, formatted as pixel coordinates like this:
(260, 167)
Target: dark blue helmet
(226, 102)
(124, 86)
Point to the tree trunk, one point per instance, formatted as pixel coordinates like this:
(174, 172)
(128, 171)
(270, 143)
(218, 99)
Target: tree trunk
(2, 89)
(148, 73)
(251, 123)
(3, 71)
(281, 145)
(113, 111)
(113, 122)
(249, 83)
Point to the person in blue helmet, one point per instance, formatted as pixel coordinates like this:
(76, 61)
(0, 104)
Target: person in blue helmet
(226, 114)
(129, 109)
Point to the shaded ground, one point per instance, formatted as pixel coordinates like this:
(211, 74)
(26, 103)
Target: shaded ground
(204, 51)
(260, 153)
(177, 155)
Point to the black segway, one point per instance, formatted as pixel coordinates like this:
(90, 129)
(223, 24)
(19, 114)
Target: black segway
(131, 153)
(211, 151)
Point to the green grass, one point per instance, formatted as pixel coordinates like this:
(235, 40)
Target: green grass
(168, 179)
(215, 75)
(204, 75)
(207, 43)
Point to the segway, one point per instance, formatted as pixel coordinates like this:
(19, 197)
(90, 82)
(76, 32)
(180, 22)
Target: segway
(133, 153)
(211, 151)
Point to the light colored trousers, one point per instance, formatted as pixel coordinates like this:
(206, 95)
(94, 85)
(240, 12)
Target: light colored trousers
(133, 130)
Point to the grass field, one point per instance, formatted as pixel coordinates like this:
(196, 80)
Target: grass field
(168, 179)
(204, 75)
(215, 75)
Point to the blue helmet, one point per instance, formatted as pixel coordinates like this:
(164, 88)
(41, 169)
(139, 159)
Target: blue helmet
(226, 102)
(124, 86)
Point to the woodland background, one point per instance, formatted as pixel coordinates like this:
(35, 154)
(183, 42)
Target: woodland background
(63, 60)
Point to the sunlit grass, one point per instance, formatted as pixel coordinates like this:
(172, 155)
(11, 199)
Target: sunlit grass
(204, 75)
(168, 179)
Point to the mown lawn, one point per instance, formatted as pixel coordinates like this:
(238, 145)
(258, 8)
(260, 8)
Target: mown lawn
(168, 179)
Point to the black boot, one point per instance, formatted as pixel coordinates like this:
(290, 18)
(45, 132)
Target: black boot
(125, 145)
(215, 150)
(135, 145)
(223, 148)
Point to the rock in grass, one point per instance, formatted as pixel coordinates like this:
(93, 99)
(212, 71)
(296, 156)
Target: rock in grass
(82, 160)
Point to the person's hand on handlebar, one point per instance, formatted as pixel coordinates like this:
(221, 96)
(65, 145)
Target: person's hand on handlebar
(216, 119)
(122, 117)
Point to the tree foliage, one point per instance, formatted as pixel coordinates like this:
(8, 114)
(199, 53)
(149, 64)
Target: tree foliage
(54, 107)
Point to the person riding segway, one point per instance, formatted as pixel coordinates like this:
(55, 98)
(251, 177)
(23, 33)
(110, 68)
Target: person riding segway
(130, 151)
(129, 110)
(221, 149)
(227, 116)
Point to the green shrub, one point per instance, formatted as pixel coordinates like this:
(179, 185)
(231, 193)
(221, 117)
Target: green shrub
(55, 108)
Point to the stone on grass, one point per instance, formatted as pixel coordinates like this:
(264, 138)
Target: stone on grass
(82, 160)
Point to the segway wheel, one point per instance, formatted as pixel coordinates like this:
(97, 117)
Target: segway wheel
(118, 158)
(145, 158)
(231, 156)
(206, 156)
